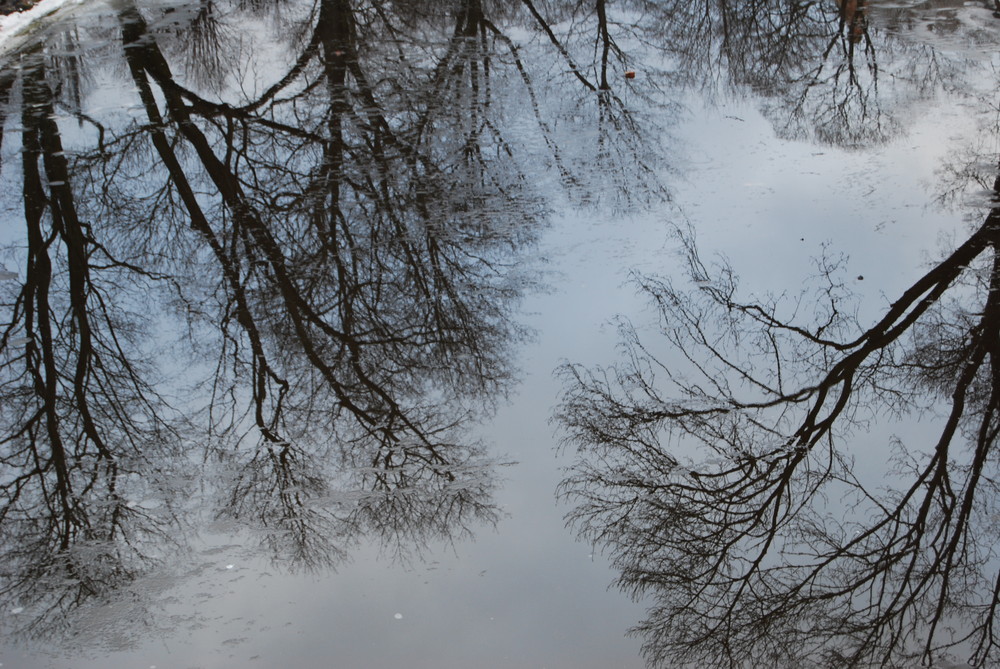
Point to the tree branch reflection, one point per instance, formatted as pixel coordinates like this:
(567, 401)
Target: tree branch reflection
(338, 243)
(774, 546)
(85, 433)
(319, 267)
(379, 279)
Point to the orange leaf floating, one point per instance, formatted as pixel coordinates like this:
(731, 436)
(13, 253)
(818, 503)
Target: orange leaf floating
(630, 74)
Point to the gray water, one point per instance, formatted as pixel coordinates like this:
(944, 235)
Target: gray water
(287, 369)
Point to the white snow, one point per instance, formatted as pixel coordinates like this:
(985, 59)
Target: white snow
(14, 28)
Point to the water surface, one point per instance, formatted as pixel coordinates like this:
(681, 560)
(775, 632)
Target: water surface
(322, 320)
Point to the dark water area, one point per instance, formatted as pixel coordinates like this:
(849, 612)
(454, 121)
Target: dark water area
(533, 334)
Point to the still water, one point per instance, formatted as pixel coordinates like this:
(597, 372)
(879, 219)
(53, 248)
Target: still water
(480, 334)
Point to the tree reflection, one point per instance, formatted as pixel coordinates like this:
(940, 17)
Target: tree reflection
(393, 295)
(339, 253)
(84, 432)
(824, 70)
(337, 242)
(772, 547)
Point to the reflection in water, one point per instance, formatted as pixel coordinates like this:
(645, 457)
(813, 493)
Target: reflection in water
(339, 256)
(84, 429)
(720, 474)
(361, 307)
(822, 70)
(722, 480)
(277, 299)
(275, 284)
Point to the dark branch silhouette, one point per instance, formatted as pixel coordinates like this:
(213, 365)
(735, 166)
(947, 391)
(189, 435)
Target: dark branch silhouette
(85, 435)
(331, 256)
(723, 482)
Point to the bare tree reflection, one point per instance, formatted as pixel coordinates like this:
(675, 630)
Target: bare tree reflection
(824, 70)
(393, 294)
(340, 252)
(772, 547)
(86, 439)
(339, 244)
(609, 127)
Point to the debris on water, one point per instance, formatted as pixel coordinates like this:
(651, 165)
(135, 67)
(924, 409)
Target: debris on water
(17, 609)
(6, 274)
(630, 74)
(230, 566)
(19, 341)
(398, 616)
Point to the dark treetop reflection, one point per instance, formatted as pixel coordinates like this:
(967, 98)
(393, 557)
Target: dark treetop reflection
(340, 251)
(742, 554)
(719, 472)
(722, 479)
(284, 306)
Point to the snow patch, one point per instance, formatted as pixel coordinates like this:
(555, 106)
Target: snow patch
(16, 27)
